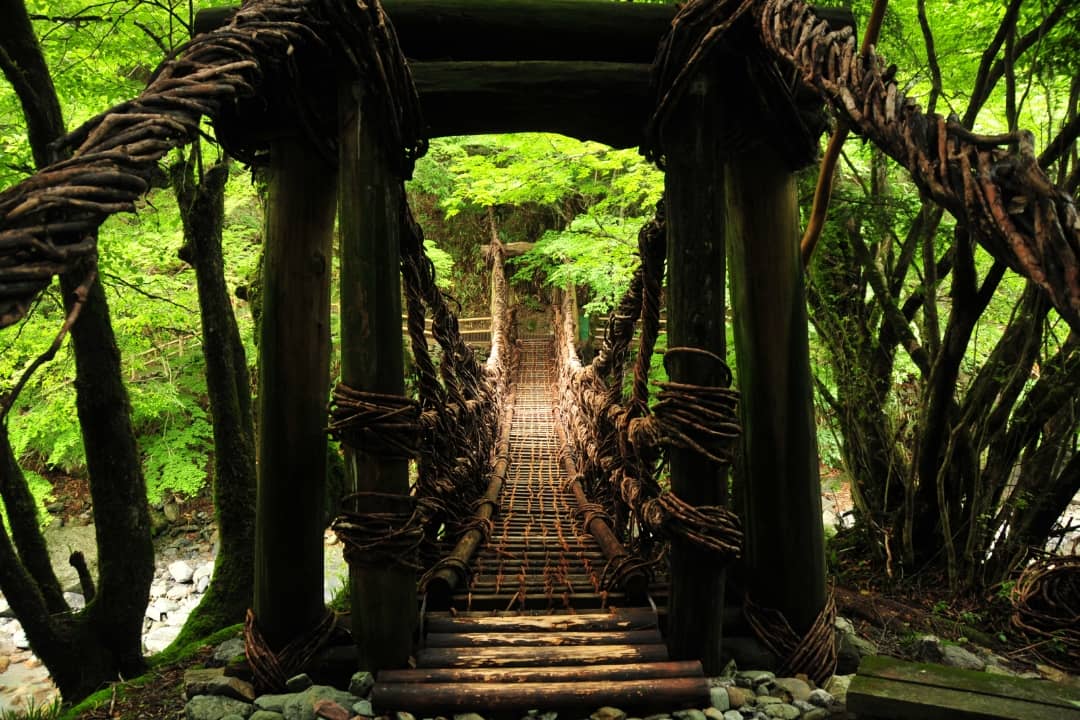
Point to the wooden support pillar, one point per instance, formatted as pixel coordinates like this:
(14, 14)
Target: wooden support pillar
(785, 553)
(294, 362)
(694, 183)
(384, 610)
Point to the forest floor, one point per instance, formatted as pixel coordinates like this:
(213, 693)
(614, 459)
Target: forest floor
(891, 614)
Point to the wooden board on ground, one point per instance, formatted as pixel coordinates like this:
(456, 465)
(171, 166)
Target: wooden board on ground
(892, 689)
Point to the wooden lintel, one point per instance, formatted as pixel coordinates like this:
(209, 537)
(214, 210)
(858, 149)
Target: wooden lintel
(525, 29)
(577, 68)
(602, 101)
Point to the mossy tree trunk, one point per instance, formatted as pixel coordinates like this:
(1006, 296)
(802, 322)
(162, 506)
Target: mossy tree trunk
(87, 649)
(202, 209)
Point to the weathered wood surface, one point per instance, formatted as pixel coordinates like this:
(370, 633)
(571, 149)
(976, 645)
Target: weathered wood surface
(628, 619)
(543, 639)
(576, 67)
(666, 693)
(525, 29)
(899, 684)
(288, 593)
(694, 190)
(630, 671)
(540, 656)
(536, 601)
(602, 101)
(383, 599)
(782, 488)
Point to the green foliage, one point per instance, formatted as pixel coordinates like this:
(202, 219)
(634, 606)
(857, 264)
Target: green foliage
(588, 254)
(33, 711)
(582, 203)
(154, 306)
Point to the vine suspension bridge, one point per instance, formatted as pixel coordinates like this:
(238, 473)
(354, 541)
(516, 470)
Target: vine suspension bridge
(534, 626)
(537, 526)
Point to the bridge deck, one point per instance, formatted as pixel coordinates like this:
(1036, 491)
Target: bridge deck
(533, 629)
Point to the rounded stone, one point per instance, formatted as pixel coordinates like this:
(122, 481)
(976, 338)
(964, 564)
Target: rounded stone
(181, 572)
(215, 707)
(608, 713)
(820, 697)
(798, 689)
(718, 698)
(782, 711)
(739, 696)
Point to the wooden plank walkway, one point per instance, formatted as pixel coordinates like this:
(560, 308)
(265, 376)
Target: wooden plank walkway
(534, 629)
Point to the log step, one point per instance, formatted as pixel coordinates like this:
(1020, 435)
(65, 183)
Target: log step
(538, 601)
(504, 657)
(620, 620)
(428, 699)
(541, 639)
(629, 671)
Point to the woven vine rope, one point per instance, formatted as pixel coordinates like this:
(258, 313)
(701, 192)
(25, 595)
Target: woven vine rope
(49, 221)
(992, 183)
(813, 653)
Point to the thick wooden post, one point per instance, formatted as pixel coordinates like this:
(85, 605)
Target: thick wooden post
(694, 183)
(784, 539)
(384, 610)
(294, 368)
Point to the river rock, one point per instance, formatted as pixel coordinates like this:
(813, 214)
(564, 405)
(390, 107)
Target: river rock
(796, 688)
(820, 697)
(360, 684)
(298, 683)
(608, 713)
(363, 708)
(229, 650)
(718, 698)
(160, 638)
(214, 681)
(181, 572)
(714, 714)
(959, 657)
(266, 715)
(733, 715)
(468, 716)
(739, 696)
(76, 601)
(783, 711)
(752, 678)
(688, 715)
(330, 710)
(301, 706)
(215, 707)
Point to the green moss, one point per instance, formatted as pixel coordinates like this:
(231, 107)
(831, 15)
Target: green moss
(167, 657)
(177, 652)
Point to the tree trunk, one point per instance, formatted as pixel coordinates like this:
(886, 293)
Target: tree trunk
(23, 518)
(202, 208)
(104, 641)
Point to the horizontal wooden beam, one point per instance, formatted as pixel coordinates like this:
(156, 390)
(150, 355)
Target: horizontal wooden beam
(621, 32)
(685, 669)
(602, 101)
(580, 68)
